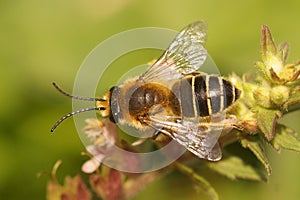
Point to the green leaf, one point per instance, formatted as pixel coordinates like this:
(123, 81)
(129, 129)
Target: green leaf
(234, 167)
(262, 67)
(267, 44)
(294, 98)
(286, 138)
(201, 182)
(283, 51)
(254, 145)
(266, 120)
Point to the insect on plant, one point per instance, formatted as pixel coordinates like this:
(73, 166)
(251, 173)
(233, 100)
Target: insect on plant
(200, 111)
(173, 98)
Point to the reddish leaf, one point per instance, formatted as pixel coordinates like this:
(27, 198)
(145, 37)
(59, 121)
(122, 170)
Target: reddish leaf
(109, 186)
(73, 189)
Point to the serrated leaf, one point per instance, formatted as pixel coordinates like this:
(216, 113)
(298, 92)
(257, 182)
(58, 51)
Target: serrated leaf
(234, 167)
(254, 145)
(266, 120)
(286, 138)
(201, 182)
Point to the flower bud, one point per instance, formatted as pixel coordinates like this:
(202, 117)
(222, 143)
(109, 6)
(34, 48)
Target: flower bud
(262, 97)
(279, 94)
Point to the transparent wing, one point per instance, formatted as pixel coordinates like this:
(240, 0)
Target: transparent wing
(185, 54)
(201, 141)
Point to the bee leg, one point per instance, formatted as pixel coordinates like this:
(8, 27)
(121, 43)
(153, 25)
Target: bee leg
(156, 134)
(140, 141)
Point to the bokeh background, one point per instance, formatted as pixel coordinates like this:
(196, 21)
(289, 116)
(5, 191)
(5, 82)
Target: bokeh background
(45, 41)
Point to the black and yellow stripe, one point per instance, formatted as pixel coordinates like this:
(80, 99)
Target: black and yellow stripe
(203, 95)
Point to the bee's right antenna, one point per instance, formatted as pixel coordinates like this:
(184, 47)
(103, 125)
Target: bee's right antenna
(74, 113)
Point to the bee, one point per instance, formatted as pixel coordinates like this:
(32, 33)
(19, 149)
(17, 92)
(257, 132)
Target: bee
(173, 98)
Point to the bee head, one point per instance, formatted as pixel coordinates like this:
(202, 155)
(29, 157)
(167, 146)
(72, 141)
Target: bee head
(114, 111)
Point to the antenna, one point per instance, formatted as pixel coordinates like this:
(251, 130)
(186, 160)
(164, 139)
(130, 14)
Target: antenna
(77, 111)
(75, 97)
(74, 113)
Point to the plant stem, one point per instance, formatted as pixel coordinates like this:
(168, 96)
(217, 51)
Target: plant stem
(292, 108)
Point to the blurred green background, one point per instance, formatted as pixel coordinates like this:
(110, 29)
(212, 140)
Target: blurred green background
(45, 41)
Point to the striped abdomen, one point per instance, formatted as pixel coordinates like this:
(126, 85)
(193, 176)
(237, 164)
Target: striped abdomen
(204, 95)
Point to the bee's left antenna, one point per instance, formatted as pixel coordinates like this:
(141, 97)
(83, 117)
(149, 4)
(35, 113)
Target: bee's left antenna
(75, 97)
